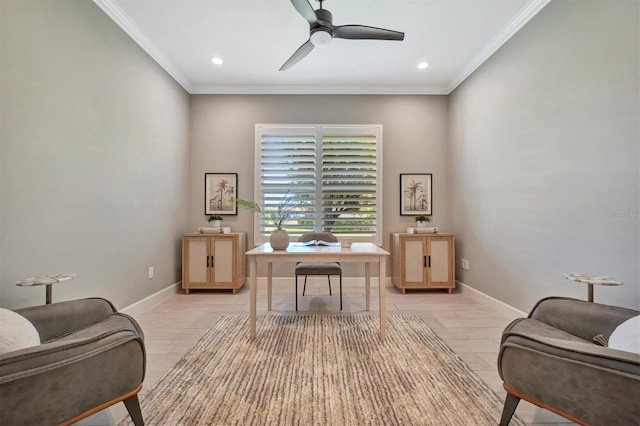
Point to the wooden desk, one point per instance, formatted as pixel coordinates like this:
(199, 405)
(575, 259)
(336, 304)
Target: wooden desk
(366, 253)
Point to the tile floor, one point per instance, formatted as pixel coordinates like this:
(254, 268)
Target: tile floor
(470, 329)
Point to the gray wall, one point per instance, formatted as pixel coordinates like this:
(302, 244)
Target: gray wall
(414, 141)
(93, 160)
(544, 157)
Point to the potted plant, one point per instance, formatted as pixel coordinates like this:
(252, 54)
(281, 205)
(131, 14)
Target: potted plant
(422, 220)
(214, 220)
(275, 215)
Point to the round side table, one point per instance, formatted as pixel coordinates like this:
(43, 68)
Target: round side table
(46, 280)
(592, 280)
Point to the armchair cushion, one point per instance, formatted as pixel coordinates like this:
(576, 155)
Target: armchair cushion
(17, 332)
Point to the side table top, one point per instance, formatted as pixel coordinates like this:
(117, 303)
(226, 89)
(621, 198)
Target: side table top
(46, 279)
(592, 279)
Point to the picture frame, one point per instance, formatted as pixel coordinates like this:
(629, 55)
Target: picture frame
(416, 194)
(220, 192)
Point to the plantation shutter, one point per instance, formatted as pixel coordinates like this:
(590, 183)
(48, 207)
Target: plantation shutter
(349, 185)
(288, 166)
(333, 174)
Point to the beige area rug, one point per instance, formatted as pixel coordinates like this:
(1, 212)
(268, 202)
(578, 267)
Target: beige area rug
(321, 370)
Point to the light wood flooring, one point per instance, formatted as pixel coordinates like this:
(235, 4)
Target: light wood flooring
(471, 329)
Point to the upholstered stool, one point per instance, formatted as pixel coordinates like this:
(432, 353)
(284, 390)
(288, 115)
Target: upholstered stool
(325, 268)
(328, 269)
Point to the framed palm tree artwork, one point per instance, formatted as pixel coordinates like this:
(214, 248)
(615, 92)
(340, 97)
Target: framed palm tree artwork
(220, 192)
(415, 194)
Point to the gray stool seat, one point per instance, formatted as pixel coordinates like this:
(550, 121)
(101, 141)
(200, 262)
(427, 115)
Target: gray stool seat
(331, 268)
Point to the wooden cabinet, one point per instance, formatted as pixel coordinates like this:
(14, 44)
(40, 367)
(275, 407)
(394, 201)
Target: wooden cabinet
(423, 261)
(214, 261)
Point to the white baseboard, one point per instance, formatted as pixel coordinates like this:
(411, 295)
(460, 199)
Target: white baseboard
(502, 308)
(151, 300)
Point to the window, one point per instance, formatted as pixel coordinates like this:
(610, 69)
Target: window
(333, 173)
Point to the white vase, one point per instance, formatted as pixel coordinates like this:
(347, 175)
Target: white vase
(422, 224)
(279, 239)
(216, 223)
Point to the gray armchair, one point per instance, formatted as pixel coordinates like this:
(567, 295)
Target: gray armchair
(550, 359)
(90, 358)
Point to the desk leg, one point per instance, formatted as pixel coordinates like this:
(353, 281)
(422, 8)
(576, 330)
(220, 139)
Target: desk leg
(590, 292)
(253, 281)
(269, 282)
(367, 289)
(382, 280)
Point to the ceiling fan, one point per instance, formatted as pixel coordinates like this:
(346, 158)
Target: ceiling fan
(322, 31)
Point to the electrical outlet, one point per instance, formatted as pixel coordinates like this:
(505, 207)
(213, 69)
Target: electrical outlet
(150, 272)
(465, 264)
(462, 263)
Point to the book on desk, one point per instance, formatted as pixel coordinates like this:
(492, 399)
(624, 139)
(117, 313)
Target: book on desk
(321, 243)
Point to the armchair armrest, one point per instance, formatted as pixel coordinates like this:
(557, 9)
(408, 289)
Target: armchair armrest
(580, 318)
(591, 355)
(57, 319)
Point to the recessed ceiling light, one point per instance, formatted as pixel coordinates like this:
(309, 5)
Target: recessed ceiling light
(422, 65)
(216, 60)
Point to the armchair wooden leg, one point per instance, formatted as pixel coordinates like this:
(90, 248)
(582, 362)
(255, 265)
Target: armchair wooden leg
(296, 292)
(133, 407)
(510, 405)
(329, 279)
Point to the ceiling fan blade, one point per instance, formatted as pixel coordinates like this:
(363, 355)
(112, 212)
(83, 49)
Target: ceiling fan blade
(304, 8)
(363, 32)
(302, 51)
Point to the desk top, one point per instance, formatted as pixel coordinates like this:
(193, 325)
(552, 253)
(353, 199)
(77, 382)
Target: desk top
(300, 249)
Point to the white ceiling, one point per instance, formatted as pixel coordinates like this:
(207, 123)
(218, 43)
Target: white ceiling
(255, 37)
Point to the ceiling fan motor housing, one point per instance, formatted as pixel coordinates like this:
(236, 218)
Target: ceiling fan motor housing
(322, 34)
(325, 18)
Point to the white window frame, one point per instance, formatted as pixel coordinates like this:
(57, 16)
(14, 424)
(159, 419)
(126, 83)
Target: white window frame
(318, 130)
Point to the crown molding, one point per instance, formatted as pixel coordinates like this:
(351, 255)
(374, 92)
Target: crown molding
(114, 12)
(317, 90)
(512, 27)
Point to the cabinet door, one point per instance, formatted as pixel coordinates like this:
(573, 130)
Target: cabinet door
(196, 262)
(412, 261)
(439, 252)
(224, 261)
